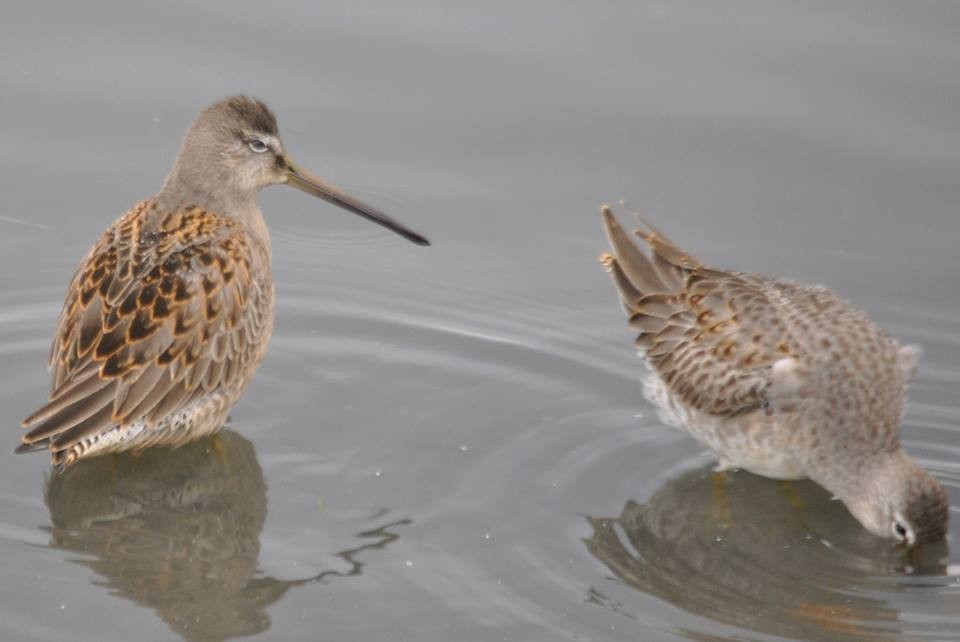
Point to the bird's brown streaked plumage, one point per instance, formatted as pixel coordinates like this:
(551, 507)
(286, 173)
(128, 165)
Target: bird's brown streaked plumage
(168, 316)
(164, 311)
(785, 379)
(708, 333)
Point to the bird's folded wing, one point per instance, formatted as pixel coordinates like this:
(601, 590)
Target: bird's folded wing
(152, 321)
(712, 336)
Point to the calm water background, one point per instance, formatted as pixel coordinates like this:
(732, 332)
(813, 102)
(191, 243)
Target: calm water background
(450, 443)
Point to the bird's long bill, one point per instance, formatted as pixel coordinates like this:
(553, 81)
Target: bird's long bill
(310, 184)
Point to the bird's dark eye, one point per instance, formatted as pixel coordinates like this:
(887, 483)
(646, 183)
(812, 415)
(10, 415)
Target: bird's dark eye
(900, 530)
(257, 145)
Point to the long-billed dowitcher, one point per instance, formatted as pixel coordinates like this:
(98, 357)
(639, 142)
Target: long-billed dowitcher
(170, 313)
(783, 379)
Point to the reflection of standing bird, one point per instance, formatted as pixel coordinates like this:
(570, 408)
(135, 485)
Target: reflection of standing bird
(179, 535)
(783, 379)
(169, 315)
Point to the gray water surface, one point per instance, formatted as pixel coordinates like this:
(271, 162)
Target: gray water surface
(449, 443)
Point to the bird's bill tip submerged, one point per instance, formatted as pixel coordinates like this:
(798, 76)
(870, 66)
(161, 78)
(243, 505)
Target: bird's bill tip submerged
(307, 182)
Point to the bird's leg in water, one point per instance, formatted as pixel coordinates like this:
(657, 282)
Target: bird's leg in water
(218, 449)
(791, 494)
(720, 509)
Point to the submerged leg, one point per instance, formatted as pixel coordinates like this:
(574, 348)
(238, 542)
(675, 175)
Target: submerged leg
(720, 508)
(791, 494)
(218, 449)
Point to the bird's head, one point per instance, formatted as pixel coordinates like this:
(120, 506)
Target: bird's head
(233, 150)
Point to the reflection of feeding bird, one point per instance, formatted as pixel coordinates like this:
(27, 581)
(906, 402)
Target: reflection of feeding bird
(768, 568)
(169, 315)
(782, 379)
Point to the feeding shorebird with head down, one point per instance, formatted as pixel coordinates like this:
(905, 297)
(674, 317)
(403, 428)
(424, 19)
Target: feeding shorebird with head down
(168, 316)
(782, 379)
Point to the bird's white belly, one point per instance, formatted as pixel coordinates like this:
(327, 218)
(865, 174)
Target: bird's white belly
(751, 441)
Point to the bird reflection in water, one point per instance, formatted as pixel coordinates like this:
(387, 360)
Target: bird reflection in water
(181, 534)
(776, 558)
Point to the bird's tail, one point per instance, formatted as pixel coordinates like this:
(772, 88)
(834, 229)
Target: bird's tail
(649, 285)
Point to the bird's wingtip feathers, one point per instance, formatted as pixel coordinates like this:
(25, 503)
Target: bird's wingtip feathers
(30, 447)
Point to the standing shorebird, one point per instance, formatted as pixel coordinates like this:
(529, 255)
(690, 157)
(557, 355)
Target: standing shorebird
(170, 313)
(783, 379)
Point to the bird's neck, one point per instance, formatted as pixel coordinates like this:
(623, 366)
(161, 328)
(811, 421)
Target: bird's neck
(182, 189)
(857, 478)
